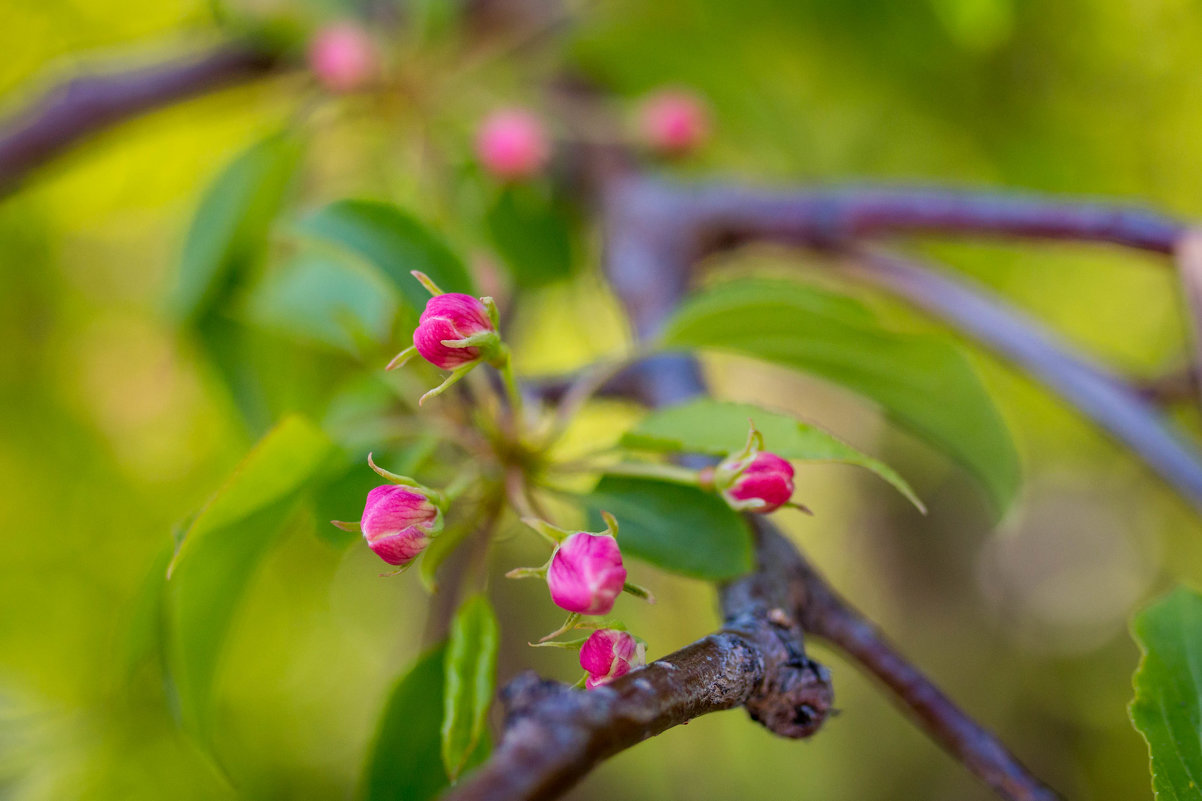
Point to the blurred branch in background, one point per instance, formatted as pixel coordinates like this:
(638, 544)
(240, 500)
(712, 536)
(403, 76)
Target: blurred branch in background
(86, 105)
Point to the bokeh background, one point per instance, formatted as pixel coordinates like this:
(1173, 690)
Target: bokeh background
(112, 430)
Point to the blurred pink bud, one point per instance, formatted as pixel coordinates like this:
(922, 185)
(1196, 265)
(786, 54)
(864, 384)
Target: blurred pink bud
(512, 144)
(674, 122)
(343, 57)
(586, 573)
(398, 522)
(450, 316)
(763, 483)
(608, 654)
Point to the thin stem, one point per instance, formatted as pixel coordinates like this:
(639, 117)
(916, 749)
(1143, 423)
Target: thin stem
(654, 470)
(512, 392)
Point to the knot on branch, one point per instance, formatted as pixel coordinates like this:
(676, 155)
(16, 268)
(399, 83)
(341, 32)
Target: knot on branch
(794, 696)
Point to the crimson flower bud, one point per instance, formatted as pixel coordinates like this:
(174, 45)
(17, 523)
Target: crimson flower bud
(674, 122)
(608, 654)
(586, 573)
(398, 522)
(762, 483)
(343, 57)
(512, 144)
(451, 316)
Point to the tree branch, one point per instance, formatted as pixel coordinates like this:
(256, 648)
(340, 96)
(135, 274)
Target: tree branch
(86, 105)
(554, 735)
(822, 612)
(830, 217)
(1114, 405)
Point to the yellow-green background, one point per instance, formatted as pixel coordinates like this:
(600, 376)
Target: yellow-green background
(110, 432)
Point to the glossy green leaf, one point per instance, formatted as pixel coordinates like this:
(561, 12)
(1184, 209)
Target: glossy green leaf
(924, 383)
(220, 552)
(1167, 708)
(676, 527)
(395, 242)
(229, 231)
(719, 428)
(532, 233)
(470, 679)
(404, 763)
(317, 299)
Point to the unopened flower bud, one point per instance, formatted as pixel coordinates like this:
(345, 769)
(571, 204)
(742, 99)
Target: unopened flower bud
(398, 522)
(512, 144)
(608, 654)
(674, 122)
(586, 573)
(452, 316)
(343, 57)
(762, 483)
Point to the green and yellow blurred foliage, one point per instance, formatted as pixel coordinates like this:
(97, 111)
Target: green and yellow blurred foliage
(113, 430)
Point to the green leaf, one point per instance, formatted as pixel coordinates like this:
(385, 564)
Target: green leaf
(229, 231)
(470, 678)
(317, 299)
(532, 234)
(395, 242)
(404, 762)
(924, 383)
(219, 555)
(678, 528)
(1167, 708)
(719, 428)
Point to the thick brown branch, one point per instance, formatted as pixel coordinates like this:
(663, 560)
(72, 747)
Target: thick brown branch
(88, 104)
(824, 613)
(554, 735)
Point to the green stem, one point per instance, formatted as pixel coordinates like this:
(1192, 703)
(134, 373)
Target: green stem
(664, 472)
(512, 391)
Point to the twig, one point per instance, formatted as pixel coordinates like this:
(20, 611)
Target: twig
(1101, 395)
(89, 104)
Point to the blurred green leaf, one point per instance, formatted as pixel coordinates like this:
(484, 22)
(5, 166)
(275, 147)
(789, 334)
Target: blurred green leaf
(393, 241)
(404, 763)
(532, 233)
(470, 679)
(719, 428)
(925, 383)
(317, 299)
(1167, 708)
(219, 555)
(678, 528)
(231, 225)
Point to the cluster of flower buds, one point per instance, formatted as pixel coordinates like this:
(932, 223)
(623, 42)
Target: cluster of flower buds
(753, 480)
(673, 122)
(455, 332)
(343, 57)
(399, 519)
(585, 575)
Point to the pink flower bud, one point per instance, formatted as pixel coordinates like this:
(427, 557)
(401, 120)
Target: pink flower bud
(674, 122)
(763, 484)
(398, 523)
(343, 57)
(450, 316)
(512, 144)
(608, 654)
(586, 573)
